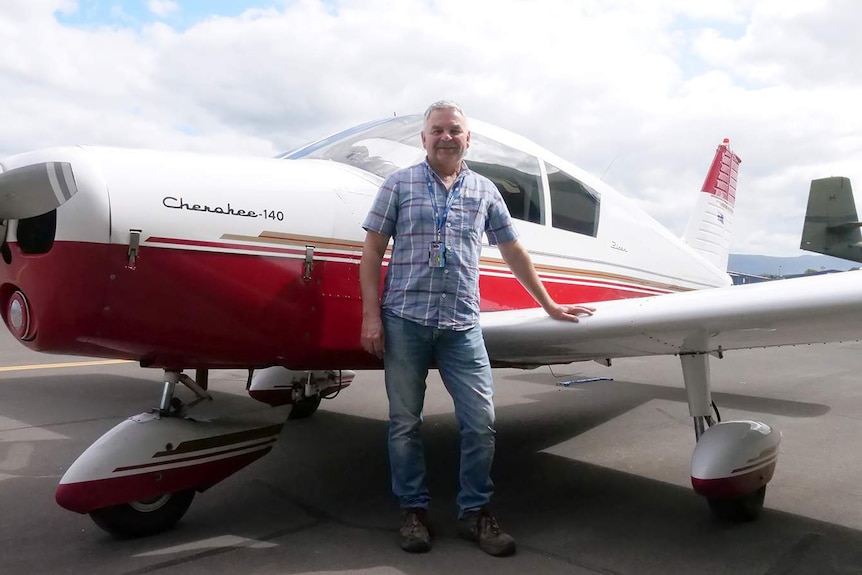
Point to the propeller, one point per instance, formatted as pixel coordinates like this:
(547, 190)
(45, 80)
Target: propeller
(33, 190)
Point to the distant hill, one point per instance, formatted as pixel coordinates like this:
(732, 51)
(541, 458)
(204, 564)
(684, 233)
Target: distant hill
(769, 265)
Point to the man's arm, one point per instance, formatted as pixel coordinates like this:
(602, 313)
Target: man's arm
(518, 260)
(370, 268)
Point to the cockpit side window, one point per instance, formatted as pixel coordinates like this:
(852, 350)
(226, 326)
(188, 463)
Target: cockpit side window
(516, 174)
(574, 206)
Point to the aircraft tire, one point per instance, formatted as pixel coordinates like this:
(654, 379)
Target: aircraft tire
(738, 509)
(305, 407)
(142, 518)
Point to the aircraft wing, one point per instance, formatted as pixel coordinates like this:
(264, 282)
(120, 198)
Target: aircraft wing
(814, 309)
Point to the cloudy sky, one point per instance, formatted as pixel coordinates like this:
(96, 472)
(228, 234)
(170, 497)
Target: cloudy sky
(637, 91)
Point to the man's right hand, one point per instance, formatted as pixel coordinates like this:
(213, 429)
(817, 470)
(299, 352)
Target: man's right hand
(372, 336)
(369, 280)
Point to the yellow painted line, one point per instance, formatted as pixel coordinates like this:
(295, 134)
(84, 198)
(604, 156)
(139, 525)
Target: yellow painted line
(70, 364)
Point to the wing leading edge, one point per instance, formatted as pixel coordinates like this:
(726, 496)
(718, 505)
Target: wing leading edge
(816, 309)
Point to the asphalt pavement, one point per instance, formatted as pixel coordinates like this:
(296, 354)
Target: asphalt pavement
(590, 477)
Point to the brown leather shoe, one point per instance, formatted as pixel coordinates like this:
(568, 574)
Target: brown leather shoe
(414, 535)
(482, 527)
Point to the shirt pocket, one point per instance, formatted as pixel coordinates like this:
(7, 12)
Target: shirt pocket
(473, 214)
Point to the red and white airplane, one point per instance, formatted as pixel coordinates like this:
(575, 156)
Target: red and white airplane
(187, 262)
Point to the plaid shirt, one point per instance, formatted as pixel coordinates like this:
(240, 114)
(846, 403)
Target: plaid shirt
(446, 298)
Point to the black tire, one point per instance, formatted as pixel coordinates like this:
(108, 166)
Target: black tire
(305, 407)
(739, 509)
(142, 518)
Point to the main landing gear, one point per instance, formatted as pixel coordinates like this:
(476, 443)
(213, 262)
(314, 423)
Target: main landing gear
(141, 476)
(162, 512)
(733, 460)
(141, 518)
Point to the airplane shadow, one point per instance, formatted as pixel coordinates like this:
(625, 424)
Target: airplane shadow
(332, 470)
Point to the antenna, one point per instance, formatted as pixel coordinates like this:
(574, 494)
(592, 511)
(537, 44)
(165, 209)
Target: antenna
(608, 169)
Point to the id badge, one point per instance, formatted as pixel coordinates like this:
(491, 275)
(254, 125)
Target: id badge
(437, 255)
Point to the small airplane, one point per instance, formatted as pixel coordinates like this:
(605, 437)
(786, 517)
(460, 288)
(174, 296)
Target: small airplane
(189, 263)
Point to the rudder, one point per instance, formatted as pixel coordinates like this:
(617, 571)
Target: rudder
(831, 224)
(710, 226)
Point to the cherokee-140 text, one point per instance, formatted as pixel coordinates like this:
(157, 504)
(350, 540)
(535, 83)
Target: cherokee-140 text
(228, 210)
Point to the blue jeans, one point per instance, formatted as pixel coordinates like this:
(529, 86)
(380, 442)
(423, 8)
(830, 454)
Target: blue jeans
(463, 363)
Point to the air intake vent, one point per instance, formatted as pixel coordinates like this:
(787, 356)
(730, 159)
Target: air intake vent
(36, 235)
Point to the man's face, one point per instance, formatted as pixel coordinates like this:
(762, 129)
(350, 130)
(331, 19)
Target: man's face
(445, 139)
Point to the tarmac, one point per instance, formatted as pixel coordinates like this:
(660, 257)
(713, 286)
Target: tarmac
(590, 477)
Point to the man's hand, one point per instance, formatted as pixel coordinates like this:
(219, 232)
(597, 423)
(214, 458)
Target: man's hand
(372, 336)
(369, 281)
(518, 260)
(569, 312)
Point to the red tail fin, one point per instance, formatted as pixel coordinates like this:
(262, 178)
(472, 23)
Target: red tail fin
(710, 225)
(721, 179)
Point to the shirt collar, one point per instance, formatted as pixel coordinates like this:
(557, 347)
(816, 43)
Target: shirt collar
(465, 169)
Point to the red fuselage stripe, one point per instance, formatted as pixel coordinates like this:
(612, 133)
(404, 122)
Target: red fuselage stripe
(206, 305)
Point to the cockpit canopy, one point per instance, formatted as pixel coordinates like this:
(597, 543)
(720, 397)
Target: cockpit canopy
(527, 183)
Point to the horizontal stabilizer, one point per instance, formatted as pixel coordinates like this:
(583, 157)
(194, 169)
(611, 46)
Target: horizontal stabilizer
(33, 190)
(831, 224)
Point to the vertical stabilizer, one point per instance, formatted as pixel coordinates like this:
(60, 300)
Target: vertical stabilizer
(831, 224)
(710, 226)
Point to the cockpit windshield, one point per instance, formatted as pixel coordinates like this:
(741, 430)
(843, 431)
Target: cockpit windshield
(384, 146)
(379, 147)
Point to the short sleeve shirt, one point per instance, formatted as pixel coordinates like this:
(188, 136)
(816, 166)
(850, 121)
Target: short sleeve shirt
(448, 297)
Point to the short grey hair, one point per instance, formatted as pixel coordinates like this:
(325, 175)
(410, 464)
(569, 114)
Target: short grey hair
(444, 105)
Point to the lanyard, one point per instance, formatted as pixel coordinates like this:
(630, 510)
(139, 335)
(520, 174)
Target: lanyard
(439, 218)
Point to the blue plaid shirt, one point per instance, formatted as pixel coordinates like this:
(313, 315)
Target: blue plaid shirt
(448, 297)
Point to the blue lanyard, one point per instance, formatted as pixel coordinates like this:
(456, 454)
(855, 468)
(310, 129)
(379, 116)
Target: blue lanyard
(439, 218)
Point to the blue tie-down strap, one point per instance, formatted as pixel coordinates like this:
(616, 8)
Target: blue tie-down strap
(584, 380)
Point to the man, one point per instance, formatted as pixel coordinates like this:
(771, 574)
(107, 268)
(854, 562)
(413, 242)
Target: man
(437, 212)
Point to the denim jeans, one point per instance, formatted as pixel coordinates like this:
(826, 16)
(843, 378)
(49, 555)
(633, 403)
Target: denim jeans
(464, 367)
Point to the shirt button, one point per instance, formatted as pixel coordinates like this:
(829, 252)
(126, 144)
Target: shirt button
(443, 296)
(445, 271)
(448, 224)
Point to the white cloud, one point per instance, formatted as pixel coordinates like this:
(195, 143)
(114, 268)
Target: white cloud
(643, 91)
(162, 8)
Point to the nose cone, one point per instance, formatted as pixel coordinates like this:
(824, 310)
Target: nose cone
(53, 265)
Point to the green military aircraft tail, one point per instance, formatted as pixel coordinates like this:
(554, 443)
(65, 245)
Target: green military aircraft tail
(831, 224)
